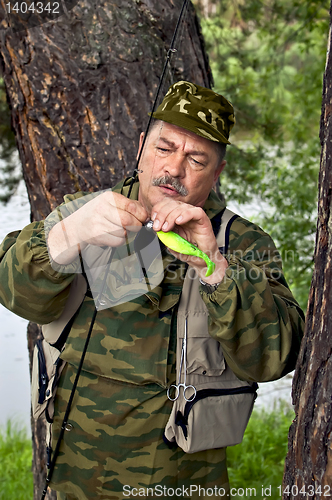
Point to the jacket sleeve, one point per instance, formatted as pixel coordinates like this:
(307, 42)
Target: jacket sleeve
(29, 286)
(252, 313)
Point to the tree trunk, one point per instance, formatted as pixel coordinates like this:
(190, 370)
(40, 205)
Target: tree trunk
(80, 88)
(309, 461)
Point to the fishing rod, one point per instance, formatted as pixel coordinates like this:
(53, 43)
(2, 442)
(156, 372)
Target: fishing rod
(170, 52)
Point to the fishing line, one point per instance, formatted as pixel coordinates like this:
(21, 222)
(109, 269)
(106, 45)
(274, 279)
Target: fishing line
(172, 71)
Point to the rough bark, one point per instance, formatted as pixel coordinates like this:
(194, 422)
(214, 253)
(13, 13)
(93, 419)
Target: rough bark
(80, 88)
(309, 461)
(38, 431)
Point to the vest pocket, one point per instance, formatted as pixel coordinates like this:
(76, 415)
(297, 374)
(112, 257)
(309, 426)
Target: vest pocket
(204, 357)
(204, 354)
(216, 418)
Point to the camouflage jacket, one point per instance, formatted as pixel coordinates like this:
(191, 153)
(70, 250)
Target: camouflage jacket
(121, 408)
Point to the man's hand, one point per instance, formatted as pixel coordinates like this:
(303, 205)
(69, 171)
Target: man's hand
(103, 221)
(192, 224)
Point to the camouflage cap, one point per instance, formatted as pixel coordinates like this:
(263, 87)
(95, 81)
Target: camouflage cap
(197, 109)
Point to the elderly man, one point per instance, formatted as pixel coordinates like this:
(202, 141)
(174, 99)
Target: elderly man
(125, 437)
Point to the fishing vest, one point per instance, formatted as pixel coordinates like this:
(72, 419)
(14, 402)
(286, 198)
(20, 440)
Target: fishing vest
(217, 416)
(219, 413)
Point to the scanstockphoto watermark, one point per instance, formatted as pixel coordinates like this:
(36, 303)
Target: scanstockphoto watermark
(21, 15)
(249, 264)
(263, 491)
(186, 492)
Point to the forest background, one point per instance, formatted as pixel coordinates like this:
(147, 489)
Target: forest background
(267, 58)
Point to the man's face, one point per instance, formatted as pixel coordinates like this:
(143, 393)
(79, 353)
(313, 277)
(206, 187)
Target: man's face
(177, 164)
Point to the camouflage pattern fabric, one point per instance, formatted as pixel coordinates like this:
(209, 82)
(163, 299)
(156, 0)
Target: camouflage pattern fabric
(197, 109)
(114, 439)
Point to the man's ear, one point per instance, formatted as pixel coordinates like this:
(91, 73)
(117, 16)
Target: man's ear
(219, 169)
(141, 137)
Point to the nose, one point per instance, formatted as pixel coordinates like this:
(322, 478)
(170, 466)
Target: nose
(175, 165)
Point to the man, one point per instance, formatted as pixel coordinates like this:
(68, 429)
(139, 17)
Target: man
(114, 446)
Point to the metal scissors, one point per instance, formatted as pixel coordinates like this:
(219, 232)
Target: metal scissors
(183, 362)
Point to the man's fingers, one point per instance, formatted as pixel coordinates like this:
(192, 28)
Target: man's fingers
(131, 207)
(102, 221)
(188, 221)
(169, 216)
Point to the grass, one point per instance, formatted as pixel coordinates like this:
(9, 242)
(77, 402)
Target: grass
(258, 462)
(15, 464)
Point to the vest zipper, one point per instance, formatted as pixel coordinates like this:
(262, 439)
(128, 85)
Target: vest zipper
(205, 393)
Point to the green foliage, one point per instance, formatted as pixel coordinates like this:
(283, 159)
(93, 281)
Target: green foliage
(16, 480)
(268, 60)
(259, 460)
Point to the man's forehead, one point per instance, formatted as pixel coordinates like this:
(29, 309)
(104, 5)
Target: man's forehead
(172, 133)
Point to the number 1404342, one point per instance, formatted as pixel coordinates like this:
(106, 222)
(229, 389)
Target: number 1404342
(34, 8)
(310, 490)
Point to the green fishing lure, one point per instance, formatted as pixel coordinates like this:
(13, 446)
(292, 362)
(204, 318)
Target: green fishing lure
(178, 244)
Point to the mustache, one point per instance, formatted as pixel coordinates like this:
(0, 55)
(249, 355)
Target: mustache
(173, 182)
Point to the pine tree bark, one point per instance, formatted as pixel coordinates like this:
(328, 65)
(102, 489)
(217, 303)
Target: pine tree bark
(80, 89)
(308, 467)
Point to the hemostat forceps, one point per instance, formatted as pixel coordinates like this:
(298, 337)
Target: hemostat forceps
(183, 362)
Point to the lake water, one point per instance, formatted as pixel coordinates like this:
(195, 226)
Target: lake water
(14, 364)
(14, 361)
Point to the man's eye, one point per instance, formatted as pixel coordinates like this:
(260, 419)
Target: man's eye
(163, 150)
(198, 163)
